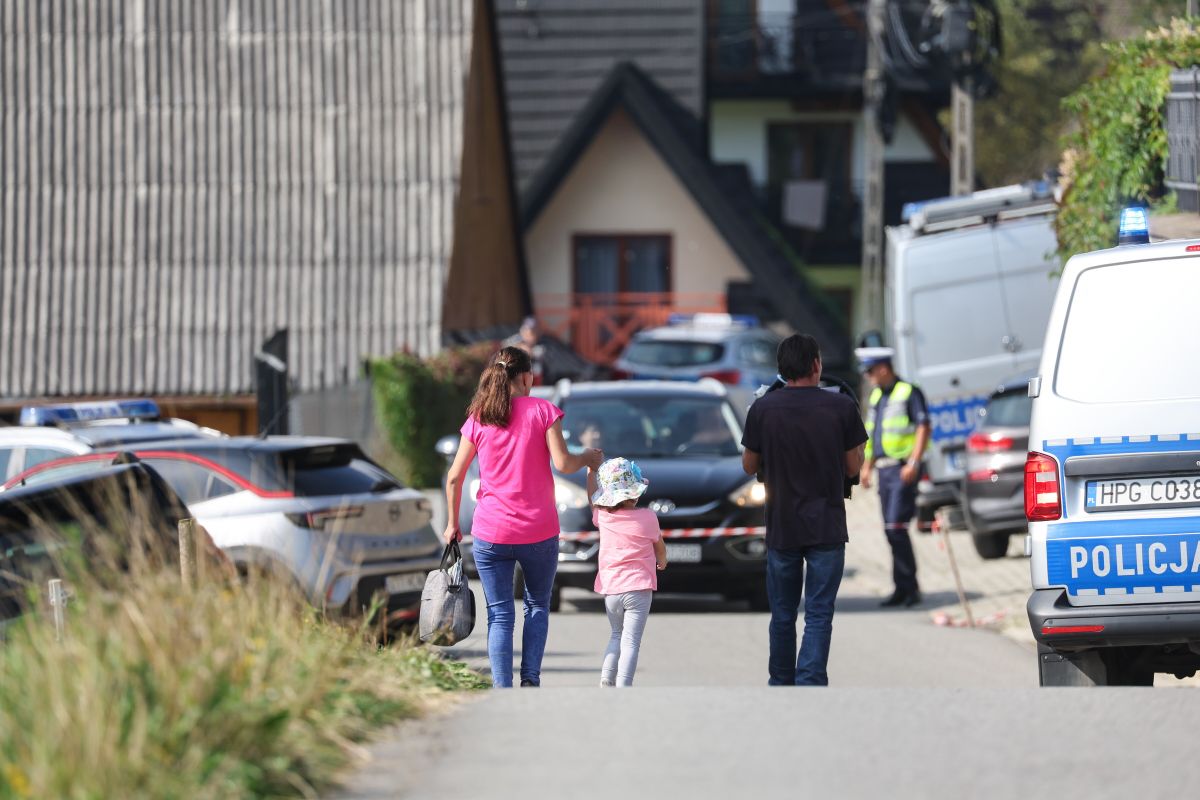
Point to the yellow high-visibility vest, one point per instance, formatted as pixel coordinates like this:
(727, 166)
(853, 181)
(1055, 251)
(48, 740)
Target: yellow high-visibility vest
(899, 435)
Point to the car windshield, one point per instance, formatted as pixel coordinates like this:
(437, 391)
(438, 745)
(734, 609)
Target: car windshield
(659, 353)
(1009, 410)
(652, 426)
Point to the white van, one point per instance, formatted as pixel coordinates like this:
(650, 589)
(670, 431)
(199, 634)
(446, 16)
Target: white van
(969, 285)
(1112, 480)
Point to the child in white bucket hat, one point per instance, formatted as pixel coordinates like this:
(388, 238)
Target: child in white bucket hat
(631, 552)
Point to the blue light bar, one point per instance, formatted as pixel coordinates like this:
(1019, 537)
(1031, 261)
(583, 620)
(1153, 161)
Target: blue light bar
(1134, 227)
(67, 413)
(715, 320)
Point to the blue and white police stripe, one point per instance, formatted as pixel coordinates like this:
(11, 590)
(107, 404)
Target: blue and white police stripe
(1131, 556)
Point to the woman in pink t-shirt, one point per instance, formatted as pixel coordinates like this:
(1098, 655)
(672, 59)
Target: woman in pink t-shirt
(631, 553)
(516, 438)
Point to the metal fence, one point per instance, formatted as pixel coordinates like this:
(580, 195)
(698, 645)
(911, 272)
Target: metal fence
(1183, 137)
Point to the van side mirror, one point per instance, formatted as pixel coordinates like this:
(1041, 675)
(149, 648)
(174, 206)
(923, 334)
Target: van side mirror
(447, 446)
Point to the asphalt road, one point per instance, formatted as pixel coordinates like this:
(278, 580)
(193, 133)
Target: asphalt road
(705, 742)
(914, 710)
(707, 641)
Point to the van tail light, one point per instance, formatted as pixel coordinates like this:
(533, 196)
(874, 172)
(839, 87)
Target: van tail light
(979, 475)
(731, 376)
(1042, 498)
(989, 442)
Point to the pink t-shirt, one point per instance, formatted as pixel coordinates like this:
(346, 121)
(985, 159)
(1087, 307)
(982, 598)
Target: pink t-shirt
(627, 537)
(515, 504)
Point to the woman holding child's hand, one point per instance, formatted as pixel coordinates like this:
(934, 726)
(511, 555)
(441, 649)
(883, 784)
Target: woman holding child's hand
(516, 437)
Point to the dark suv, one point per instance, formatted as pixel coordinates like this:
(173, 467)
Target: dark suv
(685, 437)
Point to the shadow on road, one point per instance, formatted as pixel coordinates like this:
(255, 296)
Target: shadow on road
(664, 602)
(859, 603)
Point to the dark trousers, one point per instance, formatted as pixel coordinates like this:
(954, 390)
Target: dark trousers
(786, 582)
(899, 502)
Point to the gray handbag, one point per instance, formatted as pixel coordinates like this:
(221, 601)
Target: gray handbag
(447, 604)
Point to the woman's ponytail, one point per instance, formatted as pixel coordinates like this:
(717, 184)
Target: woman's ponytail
(492, 404)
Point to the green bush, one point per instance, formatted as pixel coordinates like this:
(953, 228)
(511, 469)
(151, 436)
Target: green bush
(222, 691)
(422, 400)
(1118, 152)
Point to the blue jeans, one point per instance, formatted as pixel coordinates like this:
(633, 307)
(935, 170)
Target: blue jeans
(785, 580)
(496, 564)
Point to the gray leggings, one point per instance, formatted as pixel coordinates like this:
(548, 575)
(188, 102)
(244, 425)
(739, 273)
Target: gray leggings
(627, 615)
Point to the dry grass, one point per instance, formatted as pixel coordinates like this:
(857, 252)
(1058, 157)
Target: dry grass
(223, 691)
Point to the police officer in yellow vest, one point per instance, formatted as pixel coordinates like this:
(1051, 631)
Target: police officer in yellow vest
(898, 429)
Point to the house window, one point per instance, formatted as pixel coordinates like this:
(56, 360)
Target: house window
(809, 188)
(622, 263)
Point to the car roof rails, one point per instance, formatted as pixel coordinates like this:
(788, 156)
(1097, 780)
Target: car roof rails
(989, 205)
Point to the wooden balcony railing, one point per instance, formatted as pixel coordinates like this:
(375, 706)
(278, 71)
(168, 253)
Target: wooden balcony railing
(598, 326)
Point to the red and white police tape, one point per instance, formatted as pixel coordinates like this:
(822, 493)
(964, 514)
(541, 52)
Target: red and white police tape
(678, 533)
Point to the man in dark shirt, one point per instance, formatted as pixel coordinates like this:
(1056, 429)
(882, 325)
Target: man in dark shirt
(899, 432)
(806, 441)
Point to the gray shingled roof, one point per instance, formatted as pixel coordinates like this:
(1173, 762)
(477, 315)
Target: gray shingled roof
(182, 179)
(556, 53)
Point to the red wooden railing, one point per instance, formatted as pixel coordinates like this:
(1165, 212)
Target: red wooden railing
(598, 326)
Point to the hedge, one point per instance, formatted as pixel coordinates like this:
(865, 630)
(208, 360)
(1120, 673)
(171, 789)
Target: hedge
(422, 400)
(1118, 153)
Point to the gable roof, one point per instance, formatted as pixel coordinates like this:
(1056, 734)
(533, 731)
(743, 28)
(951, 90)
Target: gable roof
(678, 138)
(555, 53)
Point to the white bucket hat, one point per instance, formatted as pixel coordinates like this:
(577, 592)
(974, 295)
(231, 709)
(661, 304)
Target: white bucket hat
(619, 480)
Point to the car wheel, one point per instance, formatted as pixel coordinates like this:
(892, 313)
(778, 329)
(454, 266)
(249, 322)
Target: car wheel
(991, 545)
(1126, 669)
(757, 598)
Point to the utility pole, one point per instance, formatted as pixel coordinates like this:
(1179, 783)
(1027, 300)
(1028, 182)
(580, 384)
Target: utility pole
(962, 137)
(872, 224)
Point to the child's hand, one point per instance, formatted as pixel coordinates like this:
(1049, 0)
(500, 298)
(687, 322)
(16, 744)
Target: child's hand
(661, 563)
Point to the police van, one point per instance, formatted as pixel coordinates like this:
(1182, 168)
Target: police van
(1112, 479)
(969, 284)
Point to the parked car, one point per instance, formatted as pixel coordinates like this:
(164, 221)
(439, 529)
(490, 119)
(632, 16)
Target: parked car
(38, 522)
(994, 484)
(51, 432)
(734, 350)
(685, 437)
(316, 509)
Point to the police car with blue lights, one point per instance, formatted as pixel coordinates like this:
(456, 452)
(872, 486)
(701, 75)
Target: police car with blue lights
(1112, 479)
(50, 432)
(733, 349)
